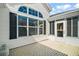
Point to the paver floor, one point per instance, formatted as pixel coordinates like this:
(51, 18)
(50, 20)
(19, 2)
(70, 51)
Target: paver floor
(35, 49)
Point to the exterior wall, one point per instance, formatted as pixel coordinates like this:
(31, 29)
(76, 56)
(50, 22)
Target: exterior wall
(4, 25)
(20, 41)
(4, 29)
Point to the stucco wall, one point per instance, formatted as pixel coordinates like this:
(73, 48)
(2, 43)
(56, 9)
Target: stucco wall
(4, 25)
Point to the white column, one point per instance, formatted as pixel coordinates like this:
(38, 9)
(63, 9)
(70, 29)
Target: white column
(43, 28)
(27, 10)
(17, 27)
(27, 26)
(55, 28)
(65, 28)
(38, 27)
(71, 27)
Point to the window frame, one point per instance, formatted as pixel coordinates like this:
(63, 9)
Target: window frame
(38, 27)
(32, 26)
(21, 26)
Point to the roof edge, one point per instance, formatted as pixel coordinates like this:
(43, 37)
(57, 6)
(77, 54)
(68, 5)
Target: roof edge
(69, 11)
(47, 6)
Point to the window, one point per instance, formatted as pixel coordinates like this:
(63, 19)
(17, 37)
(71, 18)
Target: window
(41, 27)
(33, 12)
(13, 26)
(33, 26)
(32, 22)
(23, 9)
(22, 28)
(52, 27)
(32, 31)
(40, 15)
(40, 30)
(22, 21)
(22, 31)
(60, 29)
(41, 23)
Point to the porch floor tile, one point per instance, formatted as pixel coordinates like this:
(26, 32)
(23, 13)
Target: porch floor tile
(36, 49)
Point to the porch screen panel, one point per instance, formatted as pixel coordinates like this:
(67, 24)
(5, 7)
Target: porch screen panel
(75, 26)
(13, 26)
(69, 27)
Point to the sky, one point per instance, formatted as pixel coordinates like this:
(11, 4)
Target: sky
(62, 7)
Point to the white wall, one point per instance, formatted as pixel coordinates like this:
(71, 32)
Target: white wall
(4, 28)
(4, 25)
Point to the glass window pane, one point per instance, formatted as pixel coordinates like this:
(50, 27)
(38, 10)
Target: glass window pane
(41, 23)
(22, 20)
(40, 15)
(32, 22)
(30, 11)
(23, 9)
(33, 12)
(60, 29)
(40, 30)
(22, 31)
(32, 31)
(59, 26)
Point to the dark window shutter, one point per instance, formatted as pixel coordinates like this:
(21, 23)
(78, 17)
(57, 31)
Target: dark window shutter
(75, 27)
(69, 27)
(44, 27)
(52, 27)
(13, 26)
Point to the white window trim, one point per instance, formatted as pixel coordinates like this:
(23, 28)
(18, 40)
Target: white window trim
(17, 26)
(71, 27)
(78, 26)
